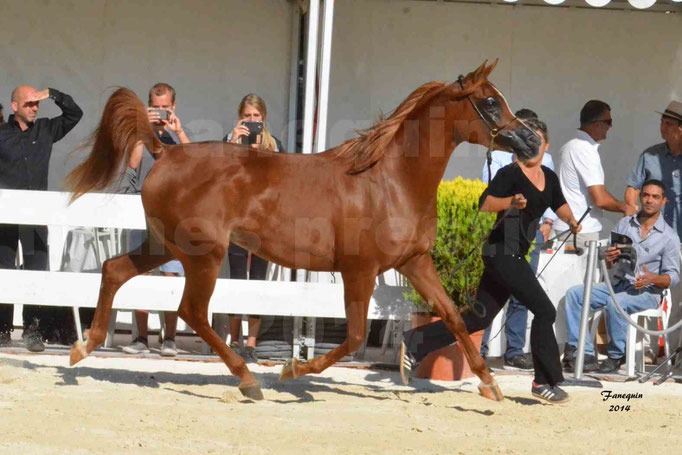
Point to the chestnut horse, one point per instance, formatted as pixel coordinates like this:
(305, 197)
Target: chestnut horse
(364, 207)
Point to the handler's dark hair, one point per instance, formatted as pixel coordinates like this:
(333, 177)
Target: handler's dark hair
(655, 182)
(591, 110)
(525, 114)
(537, 125)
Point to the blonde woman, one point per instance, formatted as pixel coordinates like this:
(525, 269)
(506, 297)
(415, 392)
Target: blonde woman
(252, 109)
(252, 113)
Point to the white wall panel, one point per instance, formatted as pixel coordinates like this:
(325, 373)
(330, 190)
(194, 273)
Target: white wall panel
(212, 51)
(551, 59)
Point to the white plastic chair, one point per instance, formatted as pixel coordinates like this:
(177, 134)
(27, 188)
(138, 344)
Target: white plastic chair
(631, 362)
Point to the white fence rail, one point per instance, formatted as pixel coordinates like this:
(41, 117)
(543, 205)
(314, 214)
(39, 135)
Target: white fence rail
(278, 298)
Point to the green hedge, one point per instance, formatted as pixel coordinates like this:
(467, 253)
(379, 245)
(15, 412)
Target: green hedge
(457, 235)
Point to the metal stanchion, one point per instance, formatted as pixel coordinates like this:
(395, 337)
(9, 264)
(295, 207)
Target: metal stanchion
(587, 296)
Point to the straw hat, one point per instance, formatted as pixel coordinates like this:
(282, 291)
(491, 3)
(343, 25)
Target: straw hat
(674, 110)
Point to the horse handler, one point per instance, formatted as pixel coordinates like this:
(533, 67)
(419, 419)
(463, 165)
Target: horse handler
(519, 194)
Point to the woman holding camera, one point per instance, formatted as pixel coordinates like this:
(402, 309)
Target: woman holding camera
(251, 130)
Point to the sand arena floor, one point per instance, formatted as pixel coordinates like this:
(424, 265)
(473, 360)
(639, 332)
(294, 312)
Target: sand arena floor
(153, 406)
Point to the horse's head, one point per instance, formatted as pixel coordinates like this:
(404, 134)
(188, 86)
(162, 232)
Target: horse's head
(490, 121)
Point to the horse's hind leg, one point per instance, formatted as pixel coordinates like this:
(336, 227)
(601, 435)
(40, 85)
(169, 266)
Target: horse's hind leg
(201, 273)
(422, 274)
(115, 272)
(357, 288)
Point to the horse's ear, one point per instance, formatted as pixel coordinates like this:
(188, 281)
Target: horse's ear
(480, 70)
(490, 69)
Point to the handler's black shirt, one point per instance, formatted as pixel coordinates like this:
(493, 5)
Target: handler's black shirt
(516, 232)
(25, 155)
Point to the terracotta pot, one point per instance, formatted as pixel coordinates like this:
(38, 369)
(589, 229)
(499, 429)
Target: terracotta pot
(448, 363)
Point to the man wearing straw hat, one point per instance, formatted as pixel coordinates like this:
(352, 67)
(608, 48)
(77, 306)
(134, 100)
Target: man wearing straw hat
(663, 162)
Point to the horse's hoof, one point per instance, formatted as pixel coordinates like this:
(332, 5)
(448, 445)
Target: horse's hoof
(289, 370)
(491, 391)
(78, 353)
(251, 391)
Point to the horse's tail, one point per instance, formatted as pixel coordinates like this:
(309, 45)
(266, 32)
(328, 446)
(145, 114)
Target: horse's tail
(124, 123)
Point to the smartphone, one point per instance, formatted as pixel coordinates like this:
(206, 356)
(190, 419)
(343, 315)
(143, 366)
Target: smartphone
(162, 113)
(255, 129)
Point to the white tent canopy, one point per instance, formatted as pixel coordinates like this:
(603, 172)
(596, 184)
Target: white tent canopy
(324, 51)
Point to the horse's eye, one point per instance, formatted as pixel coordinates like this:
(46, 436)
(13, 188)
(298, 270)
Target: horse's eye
(492, 102)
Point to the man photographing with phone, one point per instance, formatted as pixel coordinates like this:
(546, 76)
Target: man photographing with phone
(161, 113)
(168, 128)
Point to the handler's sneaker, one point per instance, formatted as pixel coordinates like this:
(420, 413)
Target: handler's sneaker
(407, 364)
(168, 349)
(138, 346)
(549, 393)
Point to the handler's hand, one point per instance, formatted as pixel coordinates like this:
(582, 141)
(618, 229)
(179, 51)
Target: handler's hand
(631, 210)
(518, 201)
(575, 227)
(546, 229)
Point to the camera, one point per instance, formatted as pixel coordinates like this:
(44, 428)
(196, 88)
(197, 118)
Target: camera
(255, 129)
(162, 113)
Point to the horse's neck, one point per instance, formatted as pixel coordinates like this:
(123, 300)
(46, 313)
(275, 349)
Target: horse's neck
(428, 140)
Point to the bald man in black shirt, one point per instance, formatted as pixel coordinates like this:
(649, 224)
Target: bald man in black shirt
(25, 150)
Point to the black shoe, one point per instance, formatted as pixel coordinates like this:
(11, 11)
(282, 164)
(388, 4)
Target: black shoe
(407, 365)
(5, 340)
(589, 364)
(548, 393)
(518, 362)
(33, 341)
(611, 365)
(67, 337)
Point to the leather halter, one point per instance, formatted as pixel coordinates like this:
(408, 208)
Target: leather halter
(493, 128)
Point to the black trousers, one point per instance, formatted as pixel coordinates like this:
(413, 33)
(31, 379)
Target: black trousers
(34, 247)
(238, 258)
(503, 276)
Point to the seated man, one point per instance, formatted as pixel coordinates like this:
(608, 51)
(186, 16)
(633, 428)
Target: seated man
(658, 267)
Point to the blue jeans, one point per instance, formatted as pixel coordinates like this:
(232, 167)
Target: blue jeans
(136, 238)
(630, 299)
(516, 316)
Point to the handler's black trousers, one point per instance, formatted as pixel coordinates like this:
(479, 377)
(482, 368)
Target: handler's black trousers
(503, 276)
(34, 247)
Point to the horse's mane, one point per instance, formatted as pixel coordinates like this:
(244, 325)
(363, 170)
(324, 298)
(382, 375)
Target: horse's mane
(365, 150)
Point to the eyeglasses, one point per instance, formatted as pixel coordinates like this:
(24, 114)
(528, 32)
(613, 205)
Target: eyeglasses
(608, 121)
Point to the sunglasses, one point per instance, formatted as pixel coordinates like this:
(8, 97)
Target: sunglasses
(607, 121)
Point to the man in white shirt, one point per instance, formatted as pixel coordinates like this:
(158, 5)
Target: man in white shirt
(582, 176)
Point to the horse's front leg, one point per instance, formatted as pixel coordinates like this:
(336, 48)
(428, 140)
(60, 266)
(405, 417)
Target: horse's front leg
(421, 272)
(357, 288)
